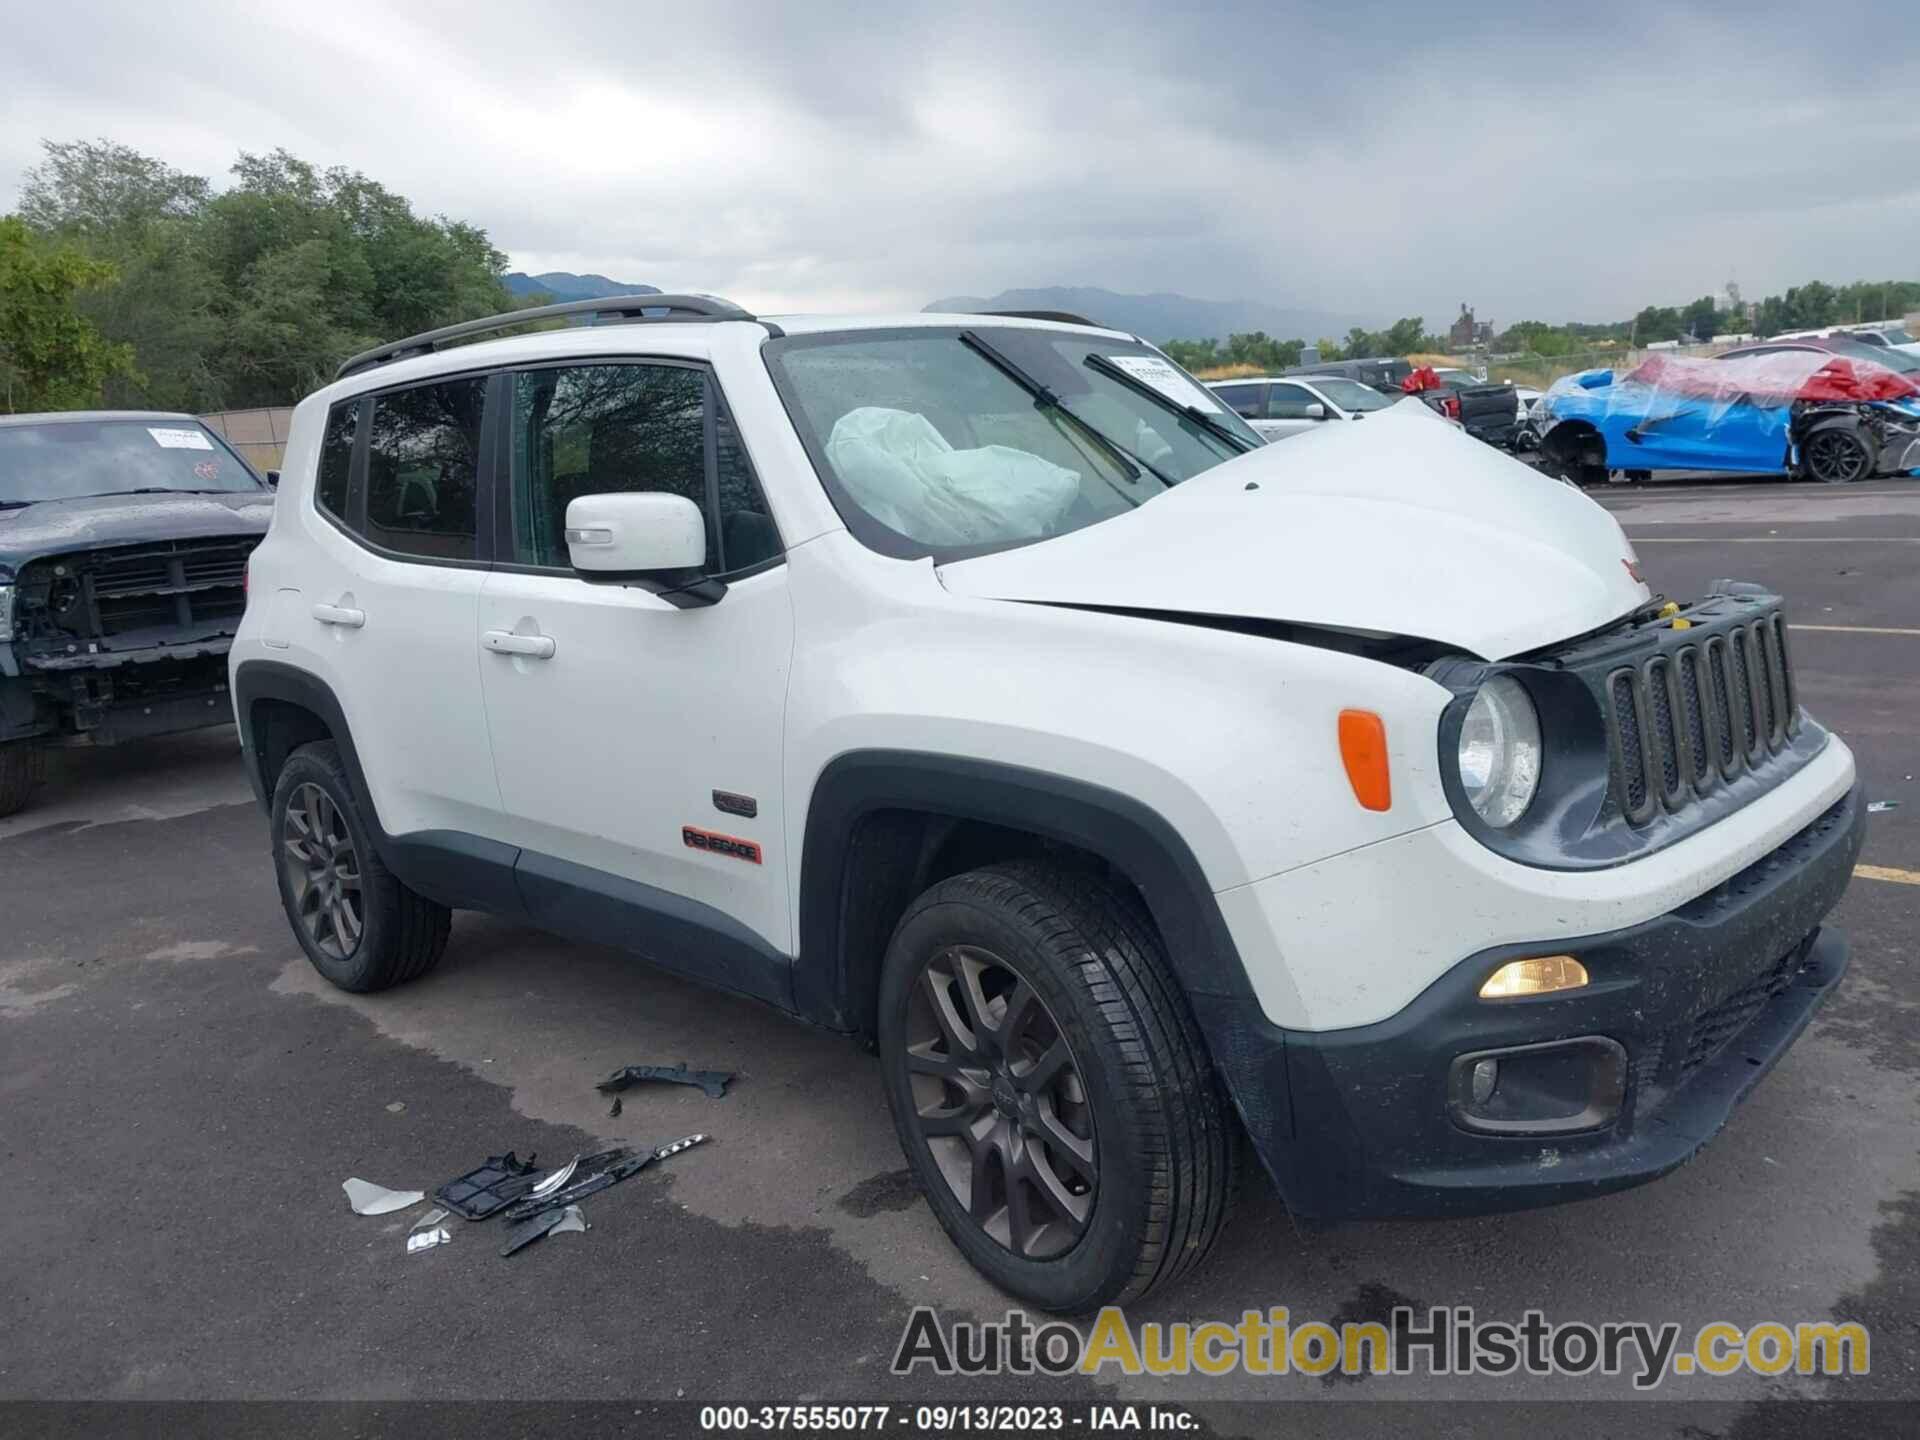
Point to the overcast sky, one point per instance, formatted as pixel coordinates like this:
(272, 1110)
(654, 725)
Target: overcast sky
(1546, 161)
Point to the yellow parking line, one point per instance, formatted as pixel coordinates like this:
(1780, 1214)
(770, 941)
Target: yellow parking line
(1887, 872)
(1854, 629)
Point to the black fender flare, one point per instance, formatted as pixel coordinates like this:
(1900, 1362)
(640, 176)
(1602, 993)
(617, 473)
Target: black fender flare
(1136, 841)
(257, 680)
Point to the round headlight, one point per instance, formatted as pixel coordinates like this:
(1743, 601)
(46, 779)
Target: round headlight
(1500, 751)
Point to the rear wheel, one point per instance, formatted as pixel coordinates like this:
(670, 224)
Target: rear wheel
(1050, 1088)
(22, 766)
(359, 925)
(1836, 455)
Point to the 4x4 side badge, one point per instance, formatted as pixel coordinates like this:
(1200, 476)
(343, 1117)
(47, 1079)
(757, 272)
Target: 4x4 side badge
(718, 844)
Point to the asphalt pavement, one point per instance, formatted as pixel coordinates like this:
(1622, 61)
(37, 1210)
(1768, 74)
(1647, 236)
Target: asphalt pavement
(181, 1096)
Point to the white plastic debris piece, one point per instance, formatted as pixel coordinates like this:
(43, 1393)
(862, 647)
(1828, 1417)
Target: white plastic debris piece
(554, 1181)
(430, 1219)
(370, 1199)
(1879, 807)
(571, 1222)
(426, 1239)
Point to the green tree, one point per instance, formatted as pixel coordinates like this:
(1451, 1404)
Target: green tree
(1405, 336)
(251, 296)
(93, 187)
(51, 356)
(1701, 319)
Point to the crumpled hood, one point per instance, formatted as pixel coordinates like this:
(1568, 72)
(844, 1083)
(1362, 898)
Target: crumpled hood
(1399, 526)
(57, 527)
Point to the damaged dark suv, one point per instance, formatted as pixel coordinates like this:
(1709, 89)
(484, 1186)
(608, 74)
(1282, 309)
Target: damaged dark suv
(124, 538)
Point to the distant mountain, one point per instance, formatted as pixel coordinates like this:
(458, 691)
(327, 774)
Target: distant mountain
(564, 286)
(1164, 317)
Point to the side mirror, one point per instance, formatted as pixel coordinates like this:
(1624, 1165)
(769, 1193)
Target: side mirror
(1316, 411)
(273, 479)
(645, 535)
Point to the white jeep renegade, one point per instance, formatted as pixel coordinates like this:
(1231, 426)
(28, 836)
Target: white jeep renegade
(979, 687)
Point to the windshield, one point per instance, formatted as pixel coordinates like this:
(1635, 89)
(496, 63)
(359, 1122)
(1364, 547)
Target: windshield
(68, 459)
(1894, 335)
(1351, 394)
(1458, 378)
(931, 442)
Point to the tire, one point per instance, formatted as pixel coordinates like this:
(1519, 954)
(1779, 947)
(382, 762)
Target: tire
(22, 766)
(324, 859)
(1092, 1108)
(1836, 455)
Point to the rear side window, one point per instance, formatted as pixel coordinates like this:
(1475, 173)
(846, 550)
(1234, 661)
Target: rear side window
(336, 458)
(423, 466)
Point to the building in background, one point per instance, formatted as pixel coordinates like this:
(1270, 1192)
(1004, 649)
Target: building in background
(1468, 332)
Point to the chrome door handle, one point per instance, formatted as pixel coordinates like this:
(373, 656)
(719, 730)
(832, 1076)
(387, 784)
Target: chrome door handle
(505, 642)
(340, 615)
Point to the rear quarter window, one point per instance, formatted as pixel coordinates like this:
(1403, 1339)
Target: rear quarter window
(336, 458)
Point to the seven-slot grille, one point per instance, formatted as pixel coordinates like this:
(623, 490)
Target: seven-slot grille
(1693, 717)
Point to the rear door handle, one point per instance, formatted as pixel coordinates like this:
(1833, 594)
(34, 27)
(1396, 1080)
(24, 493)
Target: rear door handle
(340, 615)
(505, 642)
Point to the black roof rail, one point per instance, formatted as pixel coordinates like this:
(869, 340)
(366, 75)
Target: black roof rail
(621, 308)
(1058, 317)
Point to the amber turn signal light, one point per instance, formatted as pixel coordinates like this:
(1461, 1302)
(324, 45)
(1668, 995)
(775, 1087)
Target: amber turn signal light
(1363, 750)
(1541, 975)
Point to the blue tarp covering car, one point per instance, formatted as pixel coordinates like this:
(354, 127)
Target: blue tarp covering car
(1799, 413)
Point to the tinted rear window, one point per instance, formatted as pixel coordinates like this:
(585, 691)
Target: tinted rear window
(423, 465)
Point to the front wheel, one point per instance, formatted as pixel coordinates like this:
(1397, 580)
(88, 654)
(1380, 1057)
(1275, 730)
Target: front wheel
(1050, 1087)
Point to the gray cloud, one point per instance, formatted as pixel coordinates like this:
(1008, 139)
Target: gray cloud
(1387, 158)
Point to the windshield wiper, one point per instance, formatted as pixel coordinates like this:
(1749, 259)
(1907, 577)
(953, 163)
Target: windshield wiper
(1130, 464)
(1167, 402)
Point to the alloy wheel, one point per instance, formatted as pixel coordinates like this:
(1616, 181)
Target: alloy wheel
(323, 872)
(999, 1099)
(1835, 457)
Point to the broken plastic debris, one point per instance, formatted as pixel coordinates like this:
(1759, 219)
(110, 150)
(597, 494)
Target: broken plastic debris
(571, 1222)
(619, 1165)
(485, 1188)
(370, 1199)
(1875, 807)
(714, 1082)
(430, 1219)
(426, 1239)
(528, 1231)
(614, 1113)
(558, 1178)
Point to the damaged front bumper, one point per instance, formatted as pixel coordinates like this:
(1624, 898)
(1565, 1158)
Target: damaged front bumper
(1609, 1086)
(122, 642)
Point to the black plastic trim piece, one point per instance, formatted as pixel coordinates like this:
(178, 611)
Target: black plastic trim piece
(1129, 836)
(671, 931)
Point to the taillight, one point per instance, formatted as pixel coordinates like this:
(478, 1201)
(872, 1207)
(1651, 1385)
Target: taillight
(1452, 404)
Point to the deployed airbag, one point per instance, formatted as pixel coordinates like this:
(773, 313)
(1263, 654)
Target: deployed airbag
(902, 471)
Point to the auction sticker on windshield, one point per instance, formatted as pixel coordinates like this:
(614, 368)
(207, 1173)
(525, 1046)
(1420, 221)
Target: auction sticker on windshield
(179, 439)
(1151, 370)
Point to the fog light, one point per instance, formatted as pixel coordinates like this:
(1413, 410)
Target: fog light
(1486, 1075)
(1541, 975)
